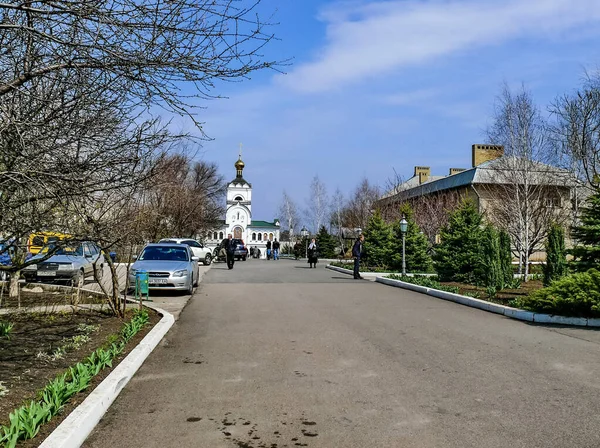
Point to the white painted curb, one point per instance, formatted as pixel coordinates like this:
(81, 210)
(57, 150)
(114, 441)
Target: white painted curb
(513, 313)
(370, 274)
(73, 430)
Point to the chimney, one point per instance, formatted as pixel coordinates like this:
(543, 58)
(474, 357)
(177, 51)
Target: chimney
(423, 172)
(456, 170)
(484, 153)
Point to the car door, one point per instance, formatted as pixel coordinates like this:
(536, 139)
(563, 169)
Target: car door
(88, 258)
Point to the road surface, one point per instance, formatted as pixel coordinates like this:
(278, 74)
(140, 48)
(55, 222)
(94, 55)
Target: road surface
(273, 354)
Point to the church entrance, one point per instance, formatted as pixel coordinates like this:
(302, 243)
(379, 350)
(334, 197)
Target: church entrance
(237, 233)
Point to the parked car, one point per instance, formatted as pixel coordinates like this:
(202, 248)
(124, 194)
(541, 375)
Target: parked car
(169, 265)
(204, 254)
(73, 263)
(240, 252)
(37, 241)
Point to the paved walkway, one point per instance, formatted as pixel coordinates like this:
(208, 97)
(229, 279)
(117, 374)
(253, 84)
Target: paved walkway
(273, 354)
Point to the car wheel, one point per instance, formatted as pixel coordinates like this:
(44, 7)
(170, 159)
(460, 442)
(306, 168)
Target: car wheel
(190, 290)
(207, 260)
(243, 258)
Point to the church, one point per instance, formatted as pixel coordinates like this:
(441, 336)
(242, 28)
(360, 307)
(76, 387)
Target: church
(238, 218)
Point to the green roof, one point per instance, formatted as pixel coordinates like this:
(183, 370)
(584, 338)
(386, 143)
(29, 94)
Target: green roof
(262, 224)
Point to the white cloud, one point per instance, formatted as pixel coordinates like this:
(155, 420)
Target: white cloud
(365, 41)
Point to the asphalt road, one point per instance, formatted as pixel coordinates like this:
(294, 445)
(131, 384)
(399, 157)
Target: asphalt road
(273, 354)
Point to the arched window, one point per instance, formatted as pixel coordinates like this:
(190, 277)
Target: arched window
(259, 237)
(238, 215)
(215, 236)
(265, 236)
(254, 237)
(270, 237)
(220, 235)
(238, 198)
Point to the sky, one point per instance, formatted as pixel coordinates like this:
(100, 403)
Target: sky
(377, 87)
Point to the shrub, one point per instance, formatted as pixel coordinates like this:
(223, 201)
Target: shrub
(426, 281)
(5, 329)
(574, 295)
(556, 261)
(325, 243)
(586, 252)
(506, 259)
(459, 251)
(489, 269)
(379, 241)
(417, 246)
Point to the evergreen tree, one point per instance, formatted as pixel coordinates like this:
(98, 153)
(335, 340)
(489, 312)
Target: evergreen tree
(489, 269)
(379, 241)
(325, 243)
(458, 254)
(586, 252)
(506, 258)
(417, 245)
(556, 261)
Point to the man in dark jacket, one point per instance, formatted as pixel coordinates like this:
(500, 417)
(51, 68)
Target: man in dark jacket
(275, 249)
(269, 250)
(229, 247)
(357, 251)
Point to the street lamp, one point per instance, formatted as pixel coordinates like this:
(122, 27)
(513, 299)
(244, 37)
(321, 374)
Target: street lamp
(403, 229)
(304, 233)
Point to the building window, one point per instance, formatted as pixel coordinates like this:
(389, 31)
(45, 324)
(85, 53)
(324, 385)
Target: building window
(270, 237)
(220, 235)
(259, 237)
(215, 236)
(265, 236)
(553, 201)
(238, 198)
(254, 237)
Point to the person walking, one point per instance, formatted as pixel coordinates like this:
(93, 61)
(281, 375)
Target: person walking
(312, 253)
(269, 250)
(357, 251)
(229, 248)
(275, 249)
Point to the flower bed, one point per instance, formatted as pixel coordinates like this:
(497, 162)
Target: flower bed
(47, 377)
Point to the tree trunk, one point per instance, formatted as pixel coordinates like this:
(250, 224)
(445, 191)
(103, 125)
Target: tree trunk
(14, 284)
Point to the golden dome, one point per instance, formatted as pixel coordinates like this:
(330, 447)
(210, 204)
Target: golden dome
(239, 165)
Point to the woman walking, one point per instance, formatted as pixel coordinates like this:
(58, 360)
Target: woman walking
(312, 253)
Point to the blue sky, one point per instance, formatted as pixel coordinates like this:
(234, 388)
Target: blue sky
(383, 85)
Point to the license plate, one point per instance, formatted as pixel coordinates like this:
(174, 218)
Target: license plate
(158, 281)
(46, 273)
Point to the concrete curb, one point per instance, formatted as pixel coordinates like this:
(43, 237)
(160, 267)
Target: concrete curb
(73, 430)
(370, 274)
(513, 313)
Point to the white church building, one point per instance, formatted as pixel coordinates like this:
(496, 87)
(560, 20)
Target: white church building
(238, 218)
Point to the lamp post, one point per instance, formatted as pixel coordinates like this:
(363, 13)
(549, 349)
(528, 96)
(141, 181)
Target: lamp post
(403, 228)
(304, 233)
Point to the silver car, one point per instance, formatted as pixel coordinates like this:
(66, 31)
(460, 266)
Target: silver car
(71, 264)
(169, 265)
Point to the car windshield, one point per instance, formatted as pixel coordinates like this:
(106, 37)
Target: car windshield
(164, 253)
(72, 250)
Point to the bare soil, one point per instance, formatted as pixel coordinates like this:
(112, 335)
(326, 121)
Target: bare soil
(24, 372)
(502, 297)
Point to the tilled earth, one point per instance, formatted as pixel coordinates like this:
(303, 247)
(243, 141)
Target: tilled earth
(24, 372)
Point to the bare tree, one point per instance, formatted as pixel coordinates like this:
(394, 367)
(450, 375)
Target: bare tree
(360, 205)
(317, 204)
(576, 131)
(338, 203)
(144, 51)
(521, 192)
(289, 215)
(183, 199)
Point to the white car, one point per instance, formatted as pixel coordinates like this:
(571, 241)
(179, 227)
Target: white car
(204, 254)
